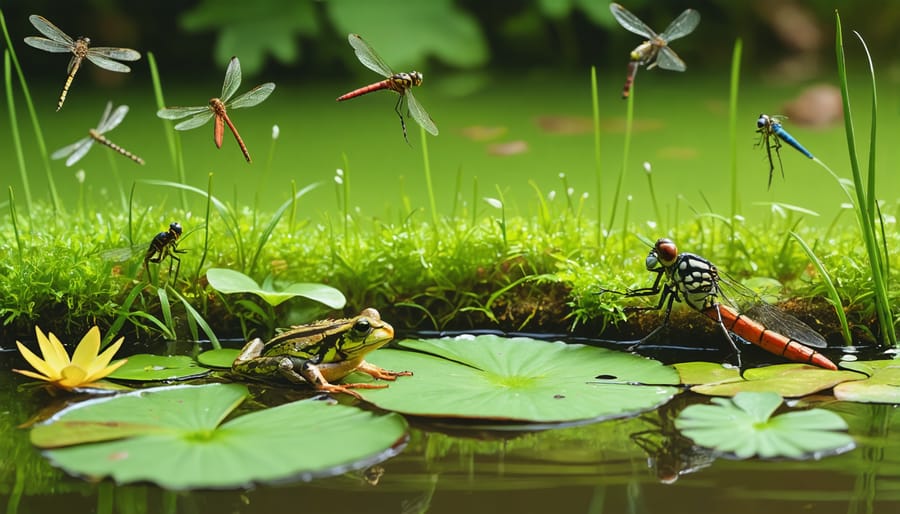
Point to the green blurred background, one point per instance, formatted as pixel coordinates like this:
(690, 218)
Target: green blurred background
(507, 83)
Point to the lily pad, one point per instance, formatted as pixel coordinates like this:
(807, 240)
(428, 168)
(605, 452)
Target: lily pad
(147, 368)
(787, 380)
(744, 426)
(221, 358)
(175, 437)
(882, 386)
(230, 281)
(518, 379)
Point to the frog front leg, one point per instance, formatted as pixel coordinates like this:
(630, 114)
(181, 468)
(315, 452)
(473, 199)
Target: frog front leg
(381, 373)
(313, 375)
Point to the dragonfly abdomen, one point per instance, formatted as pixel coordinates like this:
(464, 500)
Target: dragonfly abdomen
(789, 139)
(769, 340)
(100, 138)
(377, 86)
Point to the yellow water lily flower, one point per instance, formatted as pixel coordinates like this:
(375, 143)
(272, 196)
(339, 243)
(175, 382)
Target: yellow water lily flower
(85, 367)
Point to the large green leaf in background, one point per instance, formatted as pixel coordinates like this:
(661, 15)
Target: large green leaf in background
(518, 379)
(228, 281)
(175, 437)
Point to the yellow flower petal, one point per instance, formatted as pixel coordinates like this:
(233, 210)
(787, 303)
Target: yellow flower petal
(53, 351)
(87, 349)
(107, 370)
(72, 376)
(42, 367)
(99, 363)
(32, 374)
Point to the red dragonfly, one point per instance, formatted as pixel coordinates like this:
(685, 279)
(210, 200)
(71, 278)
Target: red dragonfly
(217, 107)
(60, 42)
(401, 83)
(696, 281)
(655, 51)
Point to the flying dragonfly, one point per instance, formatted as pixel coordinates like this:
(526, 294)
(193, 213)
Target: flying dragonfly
(771, 133)
(218, 107)
(400, 83)
(108, 121)
(655, 51)
(105, 57)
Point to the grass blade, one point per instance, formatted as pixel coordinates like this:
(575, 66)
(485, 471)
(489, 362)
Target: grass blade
(830, 288)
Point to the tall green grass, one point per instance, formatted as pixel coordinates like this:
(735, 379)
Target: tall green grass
(732, 121)
(869, 221)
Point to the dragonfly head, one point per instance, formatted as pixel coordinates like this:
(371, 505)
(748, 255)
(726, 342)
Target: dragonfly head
(416, 78)
(664, 253)
(763, 121)
(175, 229)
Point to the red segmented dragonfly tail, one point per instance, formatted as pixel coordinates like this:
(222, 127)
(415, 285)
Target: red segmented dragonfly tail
(384, 84)
(770, 341)
(629, 80)
(237, 137)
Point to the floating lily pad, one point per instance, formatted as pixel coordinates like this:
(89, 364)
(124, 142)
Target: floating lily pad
(518, 379)
(221, 358)
(882, 386)
(230, 281)
(744, 426)
(147, 368)
(787, 380)
(706, 373)
(174, 437)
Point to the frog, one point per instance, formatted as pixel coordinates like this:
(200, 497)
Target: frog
(320, 353)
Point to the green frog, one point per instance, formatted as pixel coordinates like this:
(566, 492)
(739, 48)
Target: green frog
(320, 353)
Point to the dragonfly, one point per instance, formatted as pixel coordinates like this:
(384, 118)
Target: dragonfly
(165, 244)
(218, 107)
(771, 134)
(106, 57)
(401, 83)
(110, 120)
(696, 281)
(655, 51)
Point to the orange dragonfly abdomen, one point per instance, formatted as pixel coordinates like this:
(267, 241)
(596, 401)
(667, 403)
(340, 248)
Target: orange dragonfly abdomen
(771, 341)
(396, 83)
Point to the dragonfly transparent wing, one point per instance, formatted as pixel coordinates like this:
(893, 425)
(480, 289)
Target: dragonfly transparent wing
(48, 45)
(111, 52)
(683, 25)
(253, 97)
(108, 64)
(176, 113)
(108, 123)
(419, 114)
(75, 151)
(368, 57)
(197, 121)
(50, 30)
(667, 59)
(631, 22)
(232, 79)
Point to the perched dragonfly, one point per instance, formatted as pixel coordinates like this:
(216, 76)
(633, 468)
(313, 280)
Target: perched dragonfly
(165, 244)
(696, 281)
(771, 133)
(60, 42)
(401, 83)
(655, 51)
(218, 107)
(108, 121)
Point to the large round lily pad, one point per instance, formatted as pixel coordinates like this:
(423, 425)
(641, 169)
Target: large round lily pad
(518, 379)
(147, 368)
(175, 437)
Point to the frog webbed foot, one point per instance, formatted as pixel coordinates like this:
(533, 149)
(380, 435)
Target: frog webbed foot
(381, 373)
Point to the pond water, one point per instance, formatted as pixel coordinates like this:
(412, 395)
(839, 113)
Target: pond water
(631, 465)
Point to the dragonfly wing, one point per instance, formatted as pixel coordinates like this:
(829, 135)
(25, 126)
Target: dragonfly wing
(197, 121)
(419, 114)
(368, 57)
(50, 30)
(631, 22)
(108, 64)
(119, 54)
(232, 79)
(683, 25)
(176, 113)
(68, 149)
(48, 45)
(113, 121)
(775, 319)
(667, 59)
(253, 97)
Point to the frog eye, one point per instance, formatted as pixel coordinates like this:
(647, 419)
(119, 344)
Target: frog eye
(362, 326)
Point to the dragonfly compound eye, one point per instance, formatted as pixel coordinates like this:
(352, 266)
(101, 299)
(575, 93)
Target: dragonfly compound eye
(666, 251)
(762, 121)
(175, 227)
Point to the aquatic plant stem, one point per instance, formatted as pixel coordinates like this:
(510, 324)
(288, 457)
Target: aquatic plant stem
(172, 138)
(865, 203)
(38, 133)
(626, 146)
(732, 123)
(427, 166)
(598, 170)
(14, 130)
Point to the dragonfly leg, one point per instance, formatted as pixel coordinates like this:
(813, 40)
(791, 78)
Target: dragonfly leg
(400, 115)
(668, 298)
(734, 346)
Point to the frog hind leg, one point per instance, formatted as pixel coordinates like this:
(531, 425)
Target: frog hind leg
(381, 373)
(314, 376)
